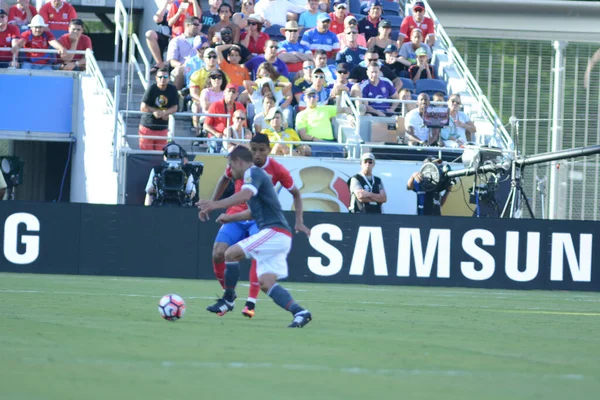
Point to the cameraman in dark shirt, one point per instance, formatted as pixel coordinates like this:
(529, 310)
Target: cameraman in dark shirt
(428, 203)
(178, 188)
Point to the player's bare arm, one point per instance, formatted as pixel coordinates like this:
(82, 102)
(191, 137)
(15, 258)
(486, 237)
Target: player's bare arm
(300, 227)
(245, 215)
(206, 206)
(220, 188)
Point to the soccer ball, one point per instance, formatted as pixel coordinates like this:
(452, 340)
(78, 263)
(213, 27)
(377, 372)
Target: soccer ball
(171, 307)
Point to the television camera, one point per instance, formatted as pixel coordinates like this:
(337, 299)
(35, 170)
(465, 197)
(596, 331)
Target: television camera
(12, 170)
(171, 178)
(439, 177)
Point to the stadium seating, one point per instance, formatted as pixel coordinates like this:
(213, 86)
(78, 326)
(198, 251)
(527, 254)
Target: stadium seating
(431, 86)
(274, 33)
(408, 84)
(390, 8)
(354, 7)
(395, 20)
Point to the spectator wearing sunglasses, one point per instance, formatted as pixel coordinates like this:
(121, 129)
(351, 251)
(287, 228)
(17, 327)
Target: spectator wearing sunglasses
(366, 190)
(181, 48)
(359, 73)
(321, 38)
(460, 129)
(319, 86)
(270, 56)
(418, 20)
(303, 82)
(236, 132)
(351, 22)
(352, 54)
(253, 38)
(338, 16)
(159, 101)
(291, 51)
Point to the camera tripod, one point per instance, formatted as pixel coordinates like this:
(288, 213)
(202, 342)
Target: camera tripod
(516, 194)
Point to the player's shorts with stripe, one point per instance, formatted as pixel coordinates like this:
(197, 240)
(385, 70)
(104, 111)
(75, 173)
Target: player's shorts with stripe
(269, 247)
(233, 232)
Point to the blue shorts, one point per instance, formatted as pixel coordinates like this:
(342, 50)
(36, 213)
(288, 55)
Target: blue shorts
(233, 232)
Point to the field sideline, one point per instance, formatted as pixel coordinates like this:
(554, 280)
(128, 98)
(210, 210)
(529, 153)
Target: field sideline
(82, 337)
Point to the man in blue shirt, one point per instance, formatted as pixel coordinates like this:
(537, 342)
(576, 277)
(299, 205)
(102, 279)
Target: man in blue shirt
(321, 38)
(353, 54)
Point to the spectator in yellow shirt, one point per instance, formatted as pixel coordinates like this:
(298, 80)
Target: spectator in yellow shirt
(277, 133)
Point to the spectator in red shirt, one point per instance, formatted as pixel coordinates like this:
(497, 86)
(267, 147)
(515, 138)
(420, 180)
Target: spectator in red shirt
(39, 38)
(338, 15)
(216, 125)
(253, 38)
(75, 40)
(58, 14)
(178, 12)
(418, 20)
(9, 37)
(21, 13)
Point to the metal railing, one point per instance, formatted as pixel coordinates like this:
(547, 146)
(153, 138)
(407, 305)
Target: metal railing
(93, 69)
(136, 47)
(473, 87)
(121, 34)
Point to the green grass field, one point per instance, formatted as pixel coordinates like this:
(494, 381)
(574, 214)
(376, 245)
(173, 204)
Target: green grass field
(72, 337)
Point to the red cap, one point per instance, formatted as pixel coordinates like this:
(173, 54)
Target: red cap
(231, 86)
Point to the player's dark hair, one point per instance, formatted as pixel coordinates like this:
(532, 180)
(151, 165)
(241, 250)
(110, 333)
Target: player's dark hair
(260, 138)
(240, 153)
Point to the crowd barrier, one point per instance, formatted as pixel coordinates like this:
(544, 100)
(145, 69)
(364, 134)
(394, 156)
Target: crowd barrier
(67, 238)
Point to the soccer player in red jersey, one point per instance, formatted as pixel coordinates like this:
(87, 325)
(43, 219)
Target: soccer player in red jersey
(232, 232)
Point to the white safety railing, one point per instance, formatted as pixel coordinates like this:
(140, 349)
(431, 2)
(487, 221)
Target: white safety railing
(93, 69)
(136, 47)
(121, 34)
(472, 86)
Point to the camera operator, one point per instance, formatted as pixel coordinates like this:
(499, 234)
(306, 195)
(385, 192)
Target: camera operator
(172, 182)
(428, 203)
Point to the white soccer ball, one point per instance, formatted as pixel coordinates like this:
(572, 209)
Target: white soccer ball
(171, 307)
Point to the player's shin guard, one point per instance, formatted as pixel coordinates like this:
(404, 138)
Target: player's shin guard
(219, 269)
(232, 275)
(254, 286)
(284, 299)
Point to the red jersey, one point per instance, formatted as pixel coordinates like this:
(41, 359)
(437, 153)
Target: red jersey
(84, 43)
(409, 23)
(336, 26)
(38, 42)
(275, 170)
(58, 20)
(220, 123)
(18, 16)
(6, 37)
(178, 26)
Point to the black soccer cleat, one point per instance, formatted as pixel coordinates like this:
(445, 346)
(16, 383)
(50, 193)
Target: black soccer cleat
(221, 307)
(300, 319)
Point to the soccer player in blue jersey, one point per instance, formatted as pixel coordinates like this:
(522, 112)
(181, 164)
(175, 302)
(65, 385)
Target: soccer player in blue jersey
(269, 246)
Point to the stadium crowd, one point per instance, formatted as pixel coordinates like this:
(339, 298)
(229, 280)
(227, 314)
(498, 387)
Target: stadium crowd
(275, 66)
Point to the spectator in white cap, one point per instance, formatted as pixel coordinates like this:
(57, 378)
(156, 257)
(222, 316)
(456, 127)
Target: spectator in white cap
(366, 190)
(338, 15)
(277, 12)
(321, 38)
(37, 37)
(308, 19)
(253, 38)
(351, 22)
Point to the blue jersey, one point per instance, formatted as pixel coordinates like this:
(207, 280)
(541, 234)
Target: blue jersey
(287, 47)
(352, 57)
(315, 40)
(264, 204)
